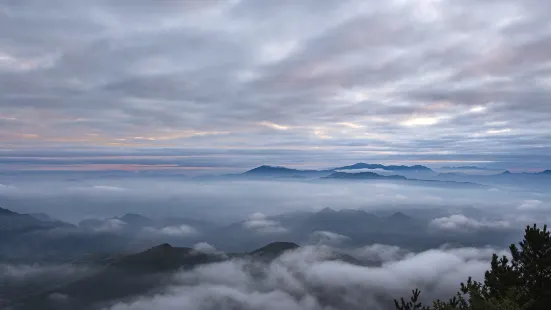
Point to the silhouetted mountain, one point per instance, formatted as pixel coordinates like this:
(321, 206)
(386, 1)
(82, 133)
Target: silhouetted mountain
(274, 249)
(162, 258)
(399, 217)
(280, 172)
(271, 170)
(283, 172)
(6, 212)
(361, 166)
(327, 211)
(136, 274)
(14, 222)
(363, 176)
(126, 276)
(546, 172)
(416, 168)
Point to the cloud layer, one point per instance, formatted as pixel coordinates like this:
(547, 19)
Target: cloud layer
(305, 279)
(461, 223)
(259, 222)
(438, 80)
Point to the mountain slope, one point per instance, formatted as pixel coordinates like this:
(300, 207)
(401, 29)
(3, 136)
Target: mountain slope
(124, 276)
(145, 273)
(283, 172)
(274, 249)
(161, 258)
(13, 222)
(416, 168)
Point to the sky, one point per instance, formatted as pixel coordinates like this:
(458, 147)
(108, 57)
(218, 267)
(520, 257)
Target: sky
(214, 84)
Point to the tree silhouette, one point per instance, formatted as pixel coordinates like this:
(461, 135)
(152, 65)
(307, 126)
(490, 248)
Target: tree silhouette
(522, 283)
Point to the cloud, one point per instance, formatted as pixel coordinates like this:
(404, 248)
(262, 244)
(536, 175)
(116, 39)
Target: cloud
(110, 225)
(422, 121)
(288, 71)
(204, 247)
(459, 222)
(22, 273)
(173, 231)
(327, 238)
(532, 205)
(260, 223)
(274, 126)
(305, 279)
(380, 253)
(234, 201)
(478, 109)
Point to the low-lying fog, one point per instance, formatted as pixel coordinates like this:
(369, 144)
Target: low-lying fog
(410, 236)
(228, 201)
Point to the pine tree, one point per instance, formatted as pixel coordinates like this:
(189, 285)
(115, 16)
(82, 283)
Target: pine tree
(522, 283)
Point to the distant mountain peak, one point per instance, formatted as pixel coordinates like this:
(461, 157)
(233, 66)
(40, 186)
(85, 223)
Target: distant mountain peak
(160, 258)
(506, 172)
(268, 168)
(415, 168)
(399, 216)
(275, 248)
(162, 246)
(361, 166)
(327, 210)
(265, 167)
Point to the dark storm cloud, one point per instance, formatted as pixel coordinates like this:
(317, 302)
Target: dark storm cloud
(403, 77)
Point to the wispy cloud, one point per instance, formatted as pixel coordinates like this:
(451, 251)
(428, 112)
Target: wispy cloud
(259, 222)
(459, 222)
(291, 77)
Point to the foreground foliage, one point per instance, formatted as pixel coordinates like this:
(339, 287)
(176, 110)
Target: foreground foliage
(521, 283)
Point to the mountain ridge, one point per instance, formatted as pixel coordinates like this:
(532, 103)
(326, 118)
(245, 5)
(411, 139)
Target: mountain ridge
(415, 168)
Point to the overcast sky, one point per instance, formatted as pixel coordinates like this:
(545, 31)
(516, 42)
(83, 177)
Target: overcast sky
(306, 83)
